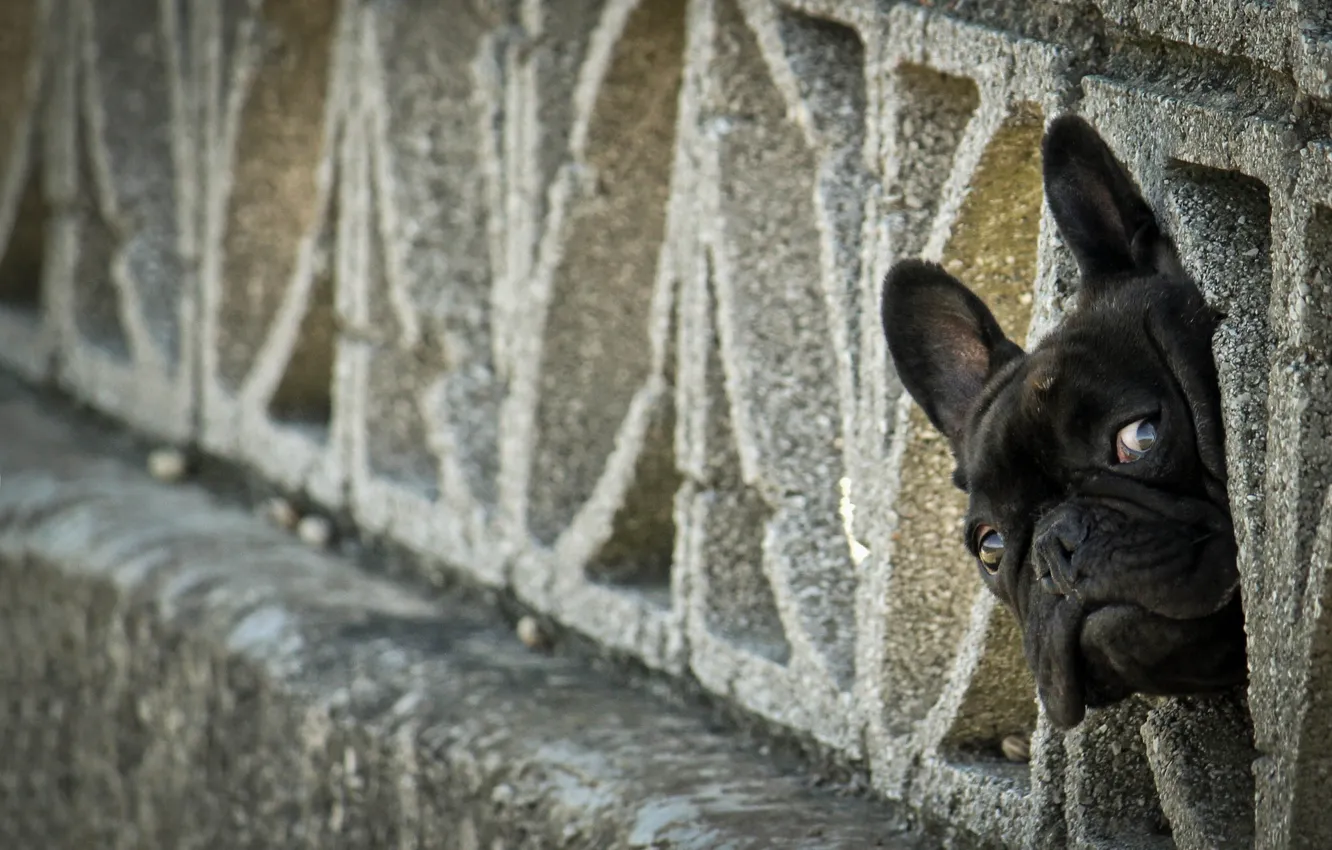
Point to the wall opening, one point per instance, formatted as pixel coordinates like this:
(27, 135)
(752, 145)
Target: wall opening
(641, 548)
(934, 586)
(23, 259)
(274, 195)
(304, 396)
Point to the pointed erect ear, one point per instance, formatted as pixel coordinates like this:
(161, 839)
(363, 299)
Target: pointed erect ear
(944, 341)
(1100, 212)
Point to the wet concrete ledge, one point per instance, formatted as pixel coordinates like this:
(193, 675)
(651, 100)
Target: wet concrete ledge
(177, 673)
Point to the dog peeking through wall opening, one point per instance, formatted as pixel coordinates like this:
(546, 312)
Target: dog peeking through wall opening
(1094, 465)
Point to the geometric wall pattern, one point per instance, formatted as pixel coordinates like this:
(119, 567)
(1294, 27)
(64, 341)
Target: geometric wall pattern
(580, 299)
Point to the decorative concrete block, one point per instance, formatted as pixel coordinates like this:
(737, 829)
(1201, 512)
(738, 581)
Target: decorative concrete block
(274, 102)
(580, 301)
(426, 238)
(123, 295)
(589, 479)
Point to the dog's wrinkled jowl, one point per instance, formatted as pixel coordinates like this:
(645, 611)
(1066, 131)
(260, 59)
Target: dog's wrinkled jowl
(1094, 465)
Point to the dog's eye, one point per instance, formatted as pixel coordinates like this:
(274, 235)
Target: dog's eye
(1135, 440)
(989, 548)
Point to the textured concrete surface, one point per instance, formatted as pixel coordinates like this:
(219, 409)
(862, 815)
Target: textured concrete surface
(179, 674)
(579, 300)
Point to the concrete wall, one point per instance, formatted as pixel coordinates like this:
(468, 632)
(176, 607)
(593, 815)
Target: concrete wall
(580, 298)
(179, 674)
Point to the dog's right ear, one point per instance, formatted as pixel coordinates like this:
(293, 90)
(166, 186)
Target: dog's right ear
(943, 339)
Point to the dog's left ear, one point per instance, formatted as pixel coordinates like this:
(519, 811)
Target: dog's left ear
(1099, 209)
(944, 341)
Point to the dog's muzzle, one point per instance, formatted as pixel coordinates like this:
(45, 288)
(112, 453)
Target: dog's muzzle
(1134, 591)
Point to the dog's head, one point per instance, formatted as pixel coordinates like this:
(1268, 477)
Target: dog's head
(1094, 464)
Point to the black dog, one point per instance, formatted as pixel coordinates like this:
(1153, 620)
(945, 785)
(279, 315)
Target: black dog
(1094, 465)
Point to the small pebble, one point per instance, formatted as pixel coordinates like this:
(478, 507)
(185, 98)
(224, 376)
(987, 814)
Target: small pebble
(167, 464)
(1017, 748)
(314, 531)
(529, 632)
(280, 512)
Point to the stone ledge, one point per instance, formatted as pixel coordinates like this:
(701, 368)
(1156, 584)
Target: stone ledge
(178, 674)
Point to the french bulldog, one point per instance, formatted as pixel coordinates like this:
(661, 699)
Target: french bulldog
(1094, 465)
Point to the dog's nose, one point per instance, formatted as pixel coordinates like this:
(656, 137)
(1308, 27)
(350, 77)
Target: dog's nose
(1056, 543)
(1066, 538)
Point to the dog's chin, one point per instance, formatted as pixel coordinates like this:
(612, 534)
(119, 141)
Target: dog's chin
(1095, 658)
